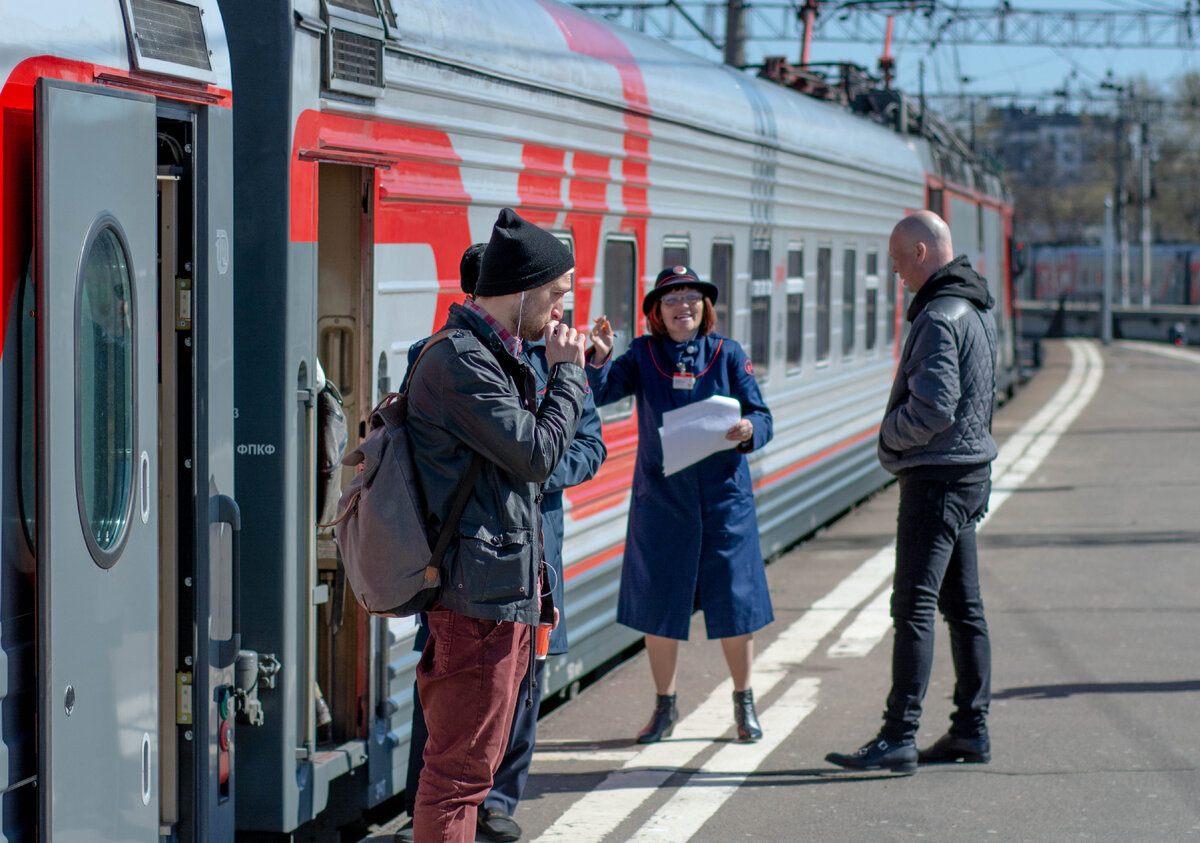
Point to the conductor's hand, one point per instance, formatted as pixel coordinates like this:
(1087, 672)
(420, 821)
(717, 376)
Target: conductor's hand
(743, 431)
(602, 338)
(563, 344)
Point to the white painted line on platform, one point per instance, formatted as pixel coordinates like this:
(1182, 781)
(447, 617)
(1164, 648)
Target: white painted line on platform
(1184, 354)
(721, 775)
(868, 628)
(597, 814)
(576, 755)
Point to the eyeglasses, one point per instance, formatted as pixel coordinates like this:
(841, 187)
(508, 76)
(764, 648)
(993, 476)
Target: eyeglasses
(676, 299)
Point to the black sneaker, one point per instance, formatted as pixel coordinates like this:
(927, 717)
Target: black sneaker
(879, 754)
(494, 824)
(949, 749)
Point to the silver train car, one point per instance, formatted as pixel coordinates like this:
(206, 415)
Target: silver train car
(211, 205)
(1076, 273)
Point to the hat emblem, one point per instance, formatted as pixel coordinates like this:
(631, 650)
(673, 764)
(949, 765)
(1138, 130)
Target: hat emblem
(680, 270)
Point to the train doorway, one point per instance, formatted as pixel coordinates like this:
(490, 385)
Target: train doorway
(344, 285)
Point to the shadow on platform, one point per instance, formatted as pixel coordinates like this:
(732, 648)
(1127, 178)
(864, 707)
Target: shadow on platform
(1002, 541)
(1055, 692)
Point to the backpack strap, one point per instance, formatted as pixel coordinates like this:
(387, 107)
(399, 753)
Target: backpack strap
(456, 511)
(399, 398)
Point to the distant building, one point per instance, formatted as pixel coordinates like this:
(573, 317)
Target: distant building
(1059, 169)
(1026, 142)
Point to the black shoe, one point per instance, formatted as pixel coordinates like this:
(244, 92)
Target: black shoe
(748, 729)
(494, 824)
(662, 721)
(405, 834)
(879, 754)
(948, 749)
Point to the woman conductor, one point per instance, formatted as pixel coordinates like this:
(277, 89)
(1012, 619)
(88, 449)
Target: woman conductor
(692, 539)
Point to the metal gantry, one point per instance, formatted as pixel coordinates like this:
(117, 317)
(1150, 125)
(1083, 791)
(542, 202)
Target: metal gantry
(925, 22)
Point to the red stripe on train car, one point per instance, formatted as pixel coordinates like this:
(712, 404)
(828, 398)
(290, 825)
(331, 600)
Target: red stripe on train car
(420, 197)
(595, 561)
(774, 477)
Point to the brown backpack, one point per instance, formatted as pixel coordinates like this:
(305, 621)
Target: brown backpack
(380, 527)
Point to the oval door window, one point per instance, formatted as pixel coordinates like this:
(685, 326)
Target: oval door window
(104, 372)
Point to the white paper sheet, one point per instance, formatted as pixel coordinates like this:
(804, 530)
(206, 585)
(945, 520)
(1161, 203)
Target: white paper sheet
(691, 433)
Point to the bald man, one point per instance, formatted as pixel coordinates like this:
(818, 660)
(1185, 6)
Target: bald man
(936, 438)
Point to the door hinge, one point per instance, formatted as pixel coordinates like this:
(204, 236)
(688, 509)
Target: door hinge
(183, 304)
(183, 699)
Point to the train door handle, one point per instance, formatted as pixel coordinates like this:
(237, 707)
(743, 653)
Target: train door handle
(224, 510)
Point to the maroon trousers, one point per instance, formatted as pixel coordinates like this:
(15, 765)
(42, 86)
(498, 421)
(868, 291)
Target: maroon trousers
(469, 680)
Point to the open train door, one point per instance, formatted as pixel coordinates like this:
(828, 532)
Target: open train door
(97, 536)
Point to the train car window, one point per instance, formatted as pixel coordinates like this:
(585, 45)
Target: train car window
(936, 201)
(676, 251)
(824, 285)
(795, 332)
(849, 266)
(795, 308)
(872, 292)
(569, 299)
(104, 392)
(620, 294)
(722, 276)
(760, 309)
(795, 265)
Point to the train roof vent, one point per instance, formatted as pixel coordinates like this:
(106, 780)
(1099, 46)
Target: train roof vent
(355, 63)
(363, 7)
(353, 58)
(167, 36)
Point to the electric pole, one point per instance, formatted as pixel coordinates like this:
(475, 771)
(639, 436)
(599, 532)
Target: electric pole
(735, 33)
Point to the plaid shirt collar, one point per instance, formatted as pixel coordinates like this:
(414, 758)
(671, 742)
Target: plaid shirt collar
(511, 344)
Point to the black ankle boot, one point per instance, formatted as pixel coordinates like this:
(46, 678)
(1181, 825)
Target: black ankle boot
(662, 721)
(744, 715)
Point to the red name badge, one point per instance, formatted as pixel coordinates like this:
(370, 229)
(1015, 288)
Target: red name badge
(683, 380)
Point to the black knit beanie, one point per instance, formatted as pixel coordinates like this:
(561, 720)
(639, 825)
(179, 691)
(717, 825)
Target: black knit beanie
(468, 267)
(519, 257)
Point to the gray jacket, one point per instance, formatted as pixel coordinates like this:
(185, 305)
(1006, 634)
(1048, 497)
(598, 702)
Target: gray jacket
(940, 409)
(469, 394)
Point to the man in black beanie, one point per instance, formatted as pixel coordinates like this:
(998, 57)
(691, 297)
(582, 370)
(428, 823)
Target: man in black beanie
(475, 395)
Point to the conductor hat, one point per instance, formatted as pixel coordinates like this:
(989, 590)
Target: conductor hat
(677, 276)
(520, 256)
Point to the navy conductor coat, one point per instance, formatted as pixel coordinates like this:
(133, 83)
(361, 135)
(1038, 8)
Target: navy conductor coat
(692, 540)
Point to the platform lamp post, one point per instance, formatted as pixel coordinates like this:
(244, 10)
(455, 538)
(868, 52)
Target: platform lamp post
(1107, 290)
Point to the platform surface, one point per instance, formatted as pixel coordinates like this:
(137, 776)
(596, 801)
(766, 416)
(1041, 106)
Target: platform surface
(1090, 561)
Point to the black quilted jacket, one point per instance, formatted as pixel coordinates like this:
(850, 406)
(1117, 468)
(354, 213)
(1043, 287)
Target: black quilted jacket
(940, 409)
(469, 394)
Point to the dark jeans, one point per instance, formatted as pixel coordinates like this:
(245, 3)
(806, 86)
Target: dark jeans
(469, 679)
(509, 782)
(937, 567)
